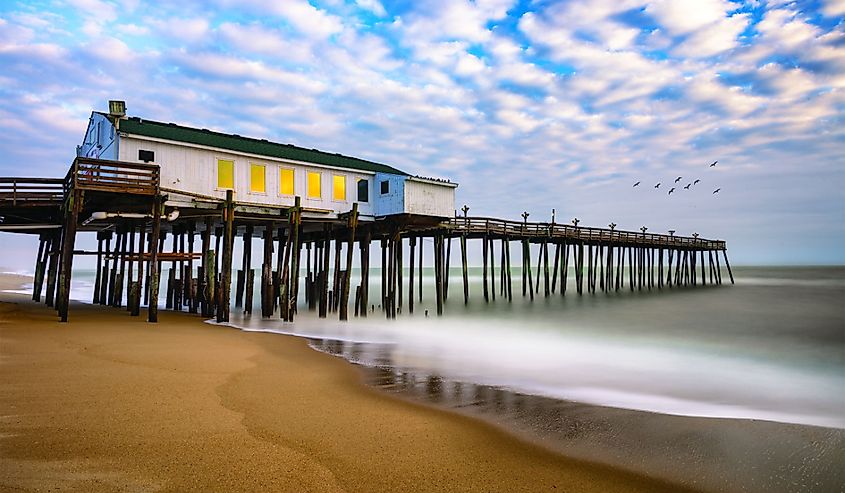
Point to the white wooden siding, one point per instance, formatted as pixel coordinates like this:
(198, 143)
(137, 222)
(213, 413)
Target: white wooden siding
(429, 198)
(194, 170)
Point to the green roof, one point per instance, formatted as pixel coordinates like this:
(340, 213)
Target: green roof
(178, 133)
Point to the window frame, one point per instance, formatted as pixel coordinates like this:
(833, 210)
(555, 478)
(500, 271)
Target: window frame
(264, 167)
(279, 191)
(382, 185)
(217, 174)
(366, 182)
(345, 188)
(308, 174)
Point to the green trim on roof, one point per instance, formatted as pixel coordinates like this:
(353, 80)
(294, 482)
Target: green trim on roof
(178, 133)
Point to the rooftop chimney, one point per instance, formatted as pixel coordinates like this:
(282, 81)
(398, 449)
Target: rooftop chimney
(117, 109)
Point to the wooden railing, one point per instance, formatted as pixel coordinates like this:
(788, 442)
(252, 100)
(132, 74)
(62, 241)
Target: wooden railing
(31, 192)
(516, 229)
(113, 176)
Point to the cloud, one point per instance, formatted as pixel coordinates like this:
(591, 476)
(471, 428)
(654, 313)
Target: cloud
(686, 17)
(833, 8)
(373, 6)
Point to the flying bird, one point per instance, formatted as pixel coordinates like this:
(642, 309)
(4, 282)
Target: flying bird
(671, 190)
(636, 184)
(714, 163)
(657, 186)
(696, 182)
(687, 187)
(678, 179)
(717, 190)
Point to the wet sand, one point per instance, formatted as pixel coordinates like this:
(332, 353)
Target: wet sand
(108, 402)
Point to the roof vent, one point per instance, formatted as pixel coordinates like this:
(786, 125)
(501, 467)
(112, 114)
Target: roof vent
(117, 108)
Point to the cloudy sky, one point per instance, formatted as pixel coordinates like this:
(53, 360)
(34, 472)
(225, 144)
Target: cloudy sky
(529, 105)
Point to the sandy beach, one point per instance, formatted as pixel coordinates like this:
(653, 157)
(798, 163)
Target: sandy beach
(109, 402)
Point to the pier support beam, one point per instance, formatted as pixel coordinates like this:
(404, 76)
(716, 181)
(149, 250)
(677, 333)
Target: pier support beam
(155, 267)
(72, 208)
(226, 263)
(352, 224)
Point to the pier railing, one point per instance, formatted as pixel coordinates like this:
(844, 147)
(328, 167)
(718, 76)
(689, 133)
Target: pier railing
(516, 229)
(31, 192)
(112, 176)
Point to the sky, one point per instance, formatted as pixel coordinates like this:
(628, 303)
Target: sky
(528, 105)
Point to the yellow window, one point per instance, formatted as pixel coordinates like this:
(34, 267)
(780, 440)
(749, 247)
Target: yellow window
(339, 187)
(285, 181)
(256, 178)
(225, 174)
(314, 185)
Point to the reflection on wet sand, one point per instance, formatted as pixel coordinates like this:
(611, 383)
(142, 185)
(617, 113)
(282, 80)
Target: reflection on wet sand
(706, 453)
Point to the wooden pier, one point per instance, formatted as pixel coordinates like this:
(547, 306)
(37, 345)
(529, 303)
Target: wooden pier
(141, 225)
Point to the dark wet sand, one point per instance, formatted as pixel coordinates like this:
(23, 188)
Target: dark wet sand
(704, 453)
(108, 402)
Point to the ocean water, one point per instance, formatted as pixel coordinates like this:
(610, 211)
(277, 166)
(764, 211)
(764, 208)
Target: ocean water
(771, 347)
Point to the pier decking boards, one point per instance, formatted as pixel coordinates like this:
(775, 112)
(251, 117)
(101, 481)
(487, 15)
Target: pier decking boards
(134, 218)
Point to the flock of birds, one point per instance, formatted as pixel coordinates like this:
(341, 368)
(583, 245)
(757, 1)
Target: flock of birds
(688, 185)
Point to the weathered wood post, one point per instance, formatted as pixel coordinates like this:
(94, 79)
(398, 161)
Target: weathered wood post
(72, 207)
(464, 272)
(336, 274)
(97, 278)
(546, 285)
(399, 281)
(446, 268)
(438, 271)
(205, 269)
(365, 271)
(53, 269)
(564, 275)
(190, 285)
(555, 266)
(324, 286)
(40, 269)
(728, 265)
(484, 256)
(412, 244)
(506, 245)
(226, 264)
(296, 243)
(352, 224)
(267, 272)
(491, 250)
(420, 285)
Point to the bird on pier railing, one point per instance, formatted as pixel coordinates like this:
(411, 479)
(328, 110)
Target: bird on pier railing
(678, 179)
(657, 186)
(671, 190)
(717, 190)
(714, 164)
(636, 184)
(688, 185)
(696, 182)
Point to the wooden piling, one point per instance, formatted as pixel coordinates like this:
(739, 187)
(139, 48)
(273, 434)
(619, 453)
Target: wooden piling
(155, 267)
(412, 244)
(352, 224)
(728, 265)
(53, 268)
(484, 248)
(564, 273)
(365, 272)
(226, 263)
(506, 246)
(445, 271)
(71, 216)
(296, 243)
(97, 279)
(420, 280)
(464, 272)
(324, 278)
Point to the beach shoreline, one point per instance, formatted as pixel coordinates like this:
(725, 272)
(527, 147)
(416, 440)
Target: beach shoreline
(108, 402)
(634, 448)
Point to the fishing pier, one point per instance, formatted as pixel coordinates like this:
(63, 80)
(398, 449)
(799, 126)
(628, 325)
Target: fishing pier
(139, 226)
(159, 194)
